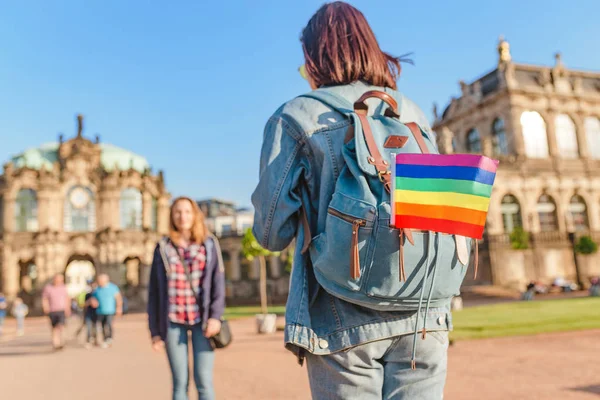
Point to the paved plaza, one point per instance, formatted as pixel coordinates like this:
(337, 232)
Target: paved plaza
(559, 366)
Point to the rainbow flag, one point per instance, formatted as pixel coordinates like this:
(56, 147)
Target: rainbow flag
(442, 193)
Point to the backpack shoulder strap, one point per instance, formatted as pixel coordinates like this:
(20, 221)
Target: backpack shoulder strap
(418, 135)
(361, 109)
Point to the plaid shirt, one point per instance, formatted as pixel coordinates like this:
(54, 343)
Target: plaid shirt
(183, 306)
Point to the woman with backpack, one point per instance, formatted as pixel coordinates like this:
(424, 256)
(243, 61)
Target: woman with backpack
(187, 294)
(357, 344)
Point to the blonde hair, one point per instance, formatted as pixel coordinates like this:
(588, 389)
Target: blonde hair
(199, 232)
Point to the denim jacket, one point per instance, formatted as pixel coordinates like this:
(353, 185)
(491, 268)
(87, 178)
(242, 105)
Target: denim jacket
(301, 159)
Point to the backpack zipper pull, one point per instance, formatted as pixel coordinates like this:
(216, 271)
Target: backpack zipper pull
(354, 255)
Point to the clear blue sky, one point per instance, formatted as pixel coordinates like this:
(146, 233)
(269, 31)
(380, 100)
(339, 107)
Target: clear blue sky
(190, 84)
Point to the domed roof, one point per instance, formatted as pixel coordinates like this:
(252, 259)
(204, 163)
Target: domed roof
(37, 158)
(110, 157)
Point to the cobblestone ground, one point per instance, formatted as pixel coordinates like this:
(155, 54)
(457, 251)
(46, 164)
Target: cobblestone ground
(558, 366)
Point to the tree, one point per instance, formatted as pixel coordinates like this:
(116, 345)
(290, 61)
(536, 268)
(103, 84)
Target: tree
(251, 250)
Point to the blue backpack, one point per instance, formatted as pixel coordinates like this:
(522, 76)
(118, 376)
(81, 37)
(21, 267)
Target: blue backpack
(359, 257)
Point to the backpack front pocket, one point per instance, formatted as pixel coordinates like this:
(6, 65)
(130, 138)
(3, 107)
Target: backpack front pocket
(430, 252)
(340, 253)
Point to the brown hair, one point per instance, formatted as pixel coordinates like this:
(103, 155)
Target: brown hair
(340, 48)
(199, 230)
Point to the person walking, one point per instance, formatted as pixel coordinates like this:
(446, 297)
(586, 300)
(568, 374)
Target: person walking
(90, 318)
(57, 305)
(20, 311)
(186, 295)
(109, 303)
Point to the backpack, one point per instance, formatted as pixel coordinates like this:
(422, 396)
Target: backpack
(359, 257)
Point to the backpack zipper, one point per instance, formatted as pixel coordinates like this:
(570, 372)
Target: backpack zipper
(348, 218)
(354, 254)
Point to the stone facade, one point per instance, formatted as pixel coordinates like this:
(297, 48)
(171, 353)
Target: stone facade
(543, 124)
(242, 276)
(79, 207)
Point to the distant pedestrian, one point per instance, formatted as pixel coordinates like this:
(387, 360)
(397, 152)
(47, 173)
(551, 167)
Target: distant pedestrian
(529, 293)
(110, 303)
(595, 286)
(3, 307)
(20, 311)
(90, 319)
(57, 305)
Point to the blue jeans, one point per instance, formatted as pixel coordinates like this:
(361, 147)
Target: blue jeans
(382, 370)
(107, 329)
(1, 322)
(90, 324)
(204, 358)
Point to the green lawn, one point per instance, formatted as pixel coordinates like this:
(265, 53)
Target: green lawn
(526, 318)
(240, 312)
(506, 319)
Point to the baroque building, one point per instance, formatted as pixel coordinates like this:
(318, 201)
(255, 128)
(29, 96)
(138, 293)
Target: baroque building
(79, 207)
(543, 124)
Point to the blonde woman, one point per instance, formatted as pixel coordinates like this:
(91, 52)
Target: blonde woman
(187, 294)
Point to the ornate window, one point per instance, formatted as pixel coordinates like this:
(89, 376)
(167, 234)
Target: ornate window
(546, 209)
(28, 276)
(26, 211)
(566, 136)
(131, 209)
(473, 141)
(578, 211)
(592, 131)
(80, 210)
(511, 213)
(534, 134)
(499, 137)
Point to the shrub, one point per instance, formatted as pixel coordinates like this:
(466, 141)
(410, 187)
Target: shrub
(586, 245)
(519, 239)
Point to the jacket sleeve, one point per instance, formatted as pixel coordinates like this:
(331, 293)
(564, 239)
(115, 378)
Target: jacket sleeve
(153, 294)
(277, 197)
(217, 295)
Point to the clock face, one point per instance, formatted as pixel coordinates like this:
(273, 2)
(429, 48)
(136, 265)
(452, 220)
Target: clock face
(79, 197)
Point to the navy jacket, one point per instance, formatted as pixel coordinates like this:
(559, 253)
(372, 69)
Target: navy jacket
(212, 291)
